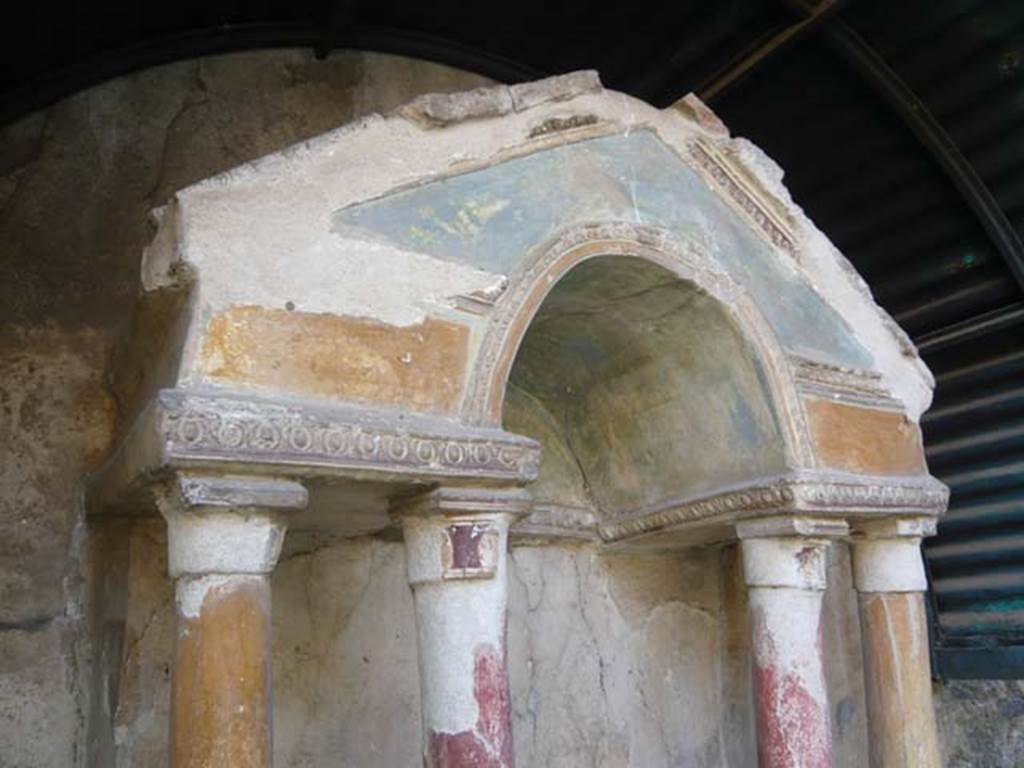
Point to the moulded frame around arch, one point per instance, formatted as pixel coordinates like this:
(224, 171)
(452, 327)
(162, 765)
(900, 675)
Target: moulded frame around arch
(515, 310)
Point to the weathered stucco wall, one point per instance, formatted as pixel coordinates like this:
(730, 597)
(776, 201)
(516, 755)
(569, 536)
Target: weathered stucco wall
(638, 660)
(77, 182)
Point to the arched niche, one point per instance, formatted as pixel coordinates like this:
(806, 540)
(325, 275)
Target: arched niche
(387, 357)
(646, 375)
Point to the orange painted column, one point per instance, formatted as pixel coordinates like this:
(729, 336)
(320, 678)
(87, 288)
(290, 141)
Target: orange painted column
(224, 537)
(784, 567)
(890, 580)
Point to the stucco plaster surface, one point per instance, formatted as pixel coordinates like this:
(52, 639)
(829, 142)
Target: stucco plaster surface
(77, 181)
(418, 367)
(616, 660)
(624, 660)
(304, 202)
(346, 680)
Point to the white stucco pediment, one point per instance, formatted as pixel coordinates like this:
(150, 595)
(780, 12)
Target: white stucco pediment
(391, 218)
(368, 303)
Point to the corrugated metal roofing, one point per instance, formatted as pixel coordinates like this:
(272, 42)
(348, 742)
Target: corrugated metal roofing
(887, 204)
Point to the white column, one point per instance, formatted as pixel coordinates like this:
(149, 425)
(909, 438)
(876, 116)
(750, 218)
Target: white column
(456, 542)
(784, 566)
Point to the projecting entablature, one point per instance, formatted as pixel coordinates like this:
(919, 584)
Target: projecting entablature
(549, 285)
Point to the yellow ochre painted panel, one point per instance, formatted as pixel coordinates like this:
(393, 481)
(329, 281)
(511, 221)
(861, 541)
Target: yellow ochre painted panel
(865, 440)
(420, 367)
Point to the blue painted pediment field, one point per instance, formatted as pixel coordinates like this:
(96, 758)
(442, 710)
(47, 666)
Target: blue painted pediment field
(493, 217)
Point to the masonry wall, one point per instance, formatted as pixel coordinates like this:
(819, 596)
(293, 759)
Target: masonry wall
(981, 722)
(77, 181)
(615, 661)
(624, 660)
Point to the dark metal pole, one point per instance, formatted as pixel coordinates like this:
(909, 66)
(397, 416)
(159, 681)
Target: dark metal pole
(932, 136)
(722, 81)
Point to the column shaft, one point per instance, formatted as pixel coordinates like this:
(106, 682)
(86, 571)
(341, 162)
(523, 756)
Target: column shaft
(793, 726)
(784, 567)
(897, 674)
(889, 577)
(220, 700)
(457, 566)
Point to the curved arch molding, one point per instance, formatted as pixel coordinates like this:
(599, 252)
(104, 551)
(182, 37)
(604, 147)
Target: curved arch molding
(355, 304)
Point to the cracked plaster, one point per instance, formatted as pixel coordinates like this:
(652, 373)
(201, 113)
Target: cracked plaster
(621, 660)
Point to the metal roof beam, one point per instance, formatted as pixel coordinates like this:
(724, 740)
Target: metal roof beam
(722, 81)
(932, 136)
(973, 328)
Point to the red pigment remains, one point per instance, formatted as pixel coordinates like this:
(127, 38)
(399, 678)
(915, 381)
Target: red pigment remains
(793, 728)
(489, 744)
(465, 540)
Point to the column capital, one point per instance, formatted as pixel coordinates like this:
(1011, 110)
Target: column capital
(457, 533)
(887, 554)
(895, 528)
(787, 551)
(452, 501)
(795, 526)
(198, 493)
(226, 524)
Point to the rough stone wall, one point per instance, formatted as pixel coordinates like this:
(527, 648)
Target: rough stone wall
(77, 182)
(55, 421)
(981, 723)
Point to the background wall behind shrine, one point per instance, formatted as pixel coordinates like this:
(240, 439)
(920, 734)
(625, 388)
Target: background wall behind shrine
(615, 661)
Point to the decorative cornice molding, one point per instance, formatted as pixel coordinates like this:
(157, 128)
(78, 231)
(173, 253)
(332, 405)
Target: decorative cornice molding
(719, 170)
(834, 382)
(219, 433)
(549, 522)
(215, 432)
(197, 427)
(800, 493)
